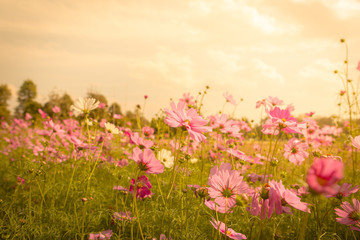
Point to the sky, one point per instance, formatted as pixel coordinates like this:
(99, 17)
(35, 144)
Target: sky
(126, 49)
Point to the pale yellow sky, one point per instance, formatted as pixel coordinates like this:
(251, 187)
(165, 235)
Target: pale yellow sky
(126, 49)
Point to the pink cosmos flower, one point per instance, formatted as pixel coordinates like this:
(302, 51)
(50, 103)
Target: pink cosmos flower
(225, 184)
(148, 131)
(190, 119)
(343, 191)
(187, 99)
(117, 116)
(139, 141)
(102, 105)
(309, 114)
(56, 109)
(42, 113)
(224, 125)
(358, 67)
(216, 207)
(280, 198)
(229, 98)
(229, 232)
(143, 187)
(283, 120)
(261, 103)
(147, 161)
(28, 116)
(295, 151)
(20, 180)
(102, 235)
(324, 173)
(123, 216)
(274, 101)
(349, 215)
(356, 141)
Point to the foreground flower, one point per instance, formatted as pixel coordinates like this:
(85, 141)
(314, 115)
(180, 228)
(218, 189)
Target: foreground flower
(323, 175)
(229, 232)
(102, 235)
(349, 215)
(225, 184)
(189, 119)
(295, 151)
(84, 105)
(147, 161)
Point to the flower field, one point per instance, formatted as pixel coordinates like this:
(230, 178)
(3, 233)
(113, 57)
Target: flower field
(183, 176)
(91, 173)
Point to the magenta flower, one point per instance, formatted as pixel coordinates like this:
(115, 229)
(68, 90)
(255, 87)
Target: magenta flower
(324, 173)
(229, 232)
(143, 187)
(102, 235)
(189, 119)
(20, 180)
(349, 215)
(225, 184)
(147, 161)
(295, 151)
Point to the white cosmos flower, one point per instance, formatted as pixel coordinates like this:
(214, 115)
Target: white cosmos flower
(111, 128)
(84, 105)
(166, 157)
(193, 160)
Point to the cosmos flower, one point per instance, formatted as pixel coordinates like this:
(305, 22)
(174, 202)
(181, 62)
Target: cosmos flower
(84, 105)
(295, 151)
(111, 128)
(102, 235)
(280, 199)
(225, 184)
(229, 232)
(343, 191)
(56, 109)
(123, 216)
(229, 98)
(143, 187)
(349, 214)
(166, 157)
(147, 161)
(324, 173)
(189, 119)
(187, 99)
(356, 141)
